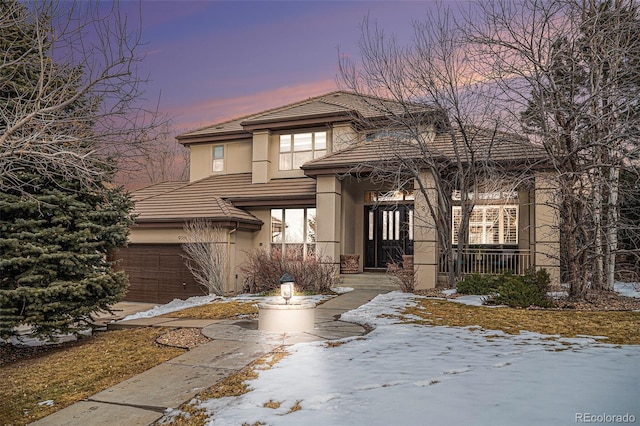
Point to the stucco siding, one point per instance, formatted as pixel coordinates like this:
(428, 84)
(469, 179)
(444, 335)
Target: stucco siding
(237, 159)
(156, 235)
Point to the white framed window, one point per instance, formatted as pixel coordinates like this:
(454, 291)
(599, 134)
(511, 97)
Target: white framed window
(218, 158)
(293, 232)
(489, 224)
(298, 148)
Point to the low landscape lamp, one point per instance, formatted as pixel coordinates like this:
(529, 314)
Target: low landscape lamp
(286, 287)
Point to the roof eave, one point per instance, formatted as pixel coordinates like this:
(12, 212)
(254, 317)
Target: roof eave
(279, 123)
(273, 201)
(187, 139)
(179, 222)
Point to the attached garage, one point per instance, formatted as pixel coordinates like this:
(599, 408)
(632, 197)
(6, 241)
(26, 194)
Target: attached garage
(157, 273)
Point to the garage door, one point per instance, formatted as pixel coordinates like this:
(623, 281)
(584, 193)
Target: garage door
(157, 273)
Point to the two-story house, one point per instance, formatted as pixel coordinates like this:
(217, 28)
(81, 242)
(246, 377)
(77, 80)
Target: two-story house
(285, 179)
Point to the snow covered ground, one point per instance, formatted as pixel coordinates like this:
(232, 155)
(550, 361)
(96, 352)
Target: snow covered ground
(627, 289)
(402, 374)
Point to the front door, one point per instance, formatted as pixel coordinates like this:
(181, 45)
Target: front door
(388, 234)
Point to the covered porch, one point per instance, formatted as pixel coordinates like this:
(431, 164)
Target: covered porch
(508, 236)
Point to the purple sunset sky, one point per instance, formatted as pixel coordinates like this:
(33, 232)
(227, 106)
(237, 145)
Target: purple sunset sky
(214, 60)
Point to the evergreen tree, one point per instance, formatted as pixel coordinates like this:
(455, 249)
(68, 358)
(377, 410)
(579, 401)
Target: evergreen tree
(54, 246)
(55, 231)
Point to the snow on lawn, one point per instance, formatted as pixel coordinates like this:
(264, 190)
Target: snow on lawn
(627, 289)
(405, 374)
(179, 304)
(173, 306)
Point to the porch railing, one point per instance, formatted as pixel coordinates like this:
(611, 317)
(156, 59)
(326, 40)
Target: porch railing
(490, 261)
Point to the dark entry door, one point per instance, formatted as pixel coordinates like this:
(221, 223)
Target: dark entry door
(388, 234)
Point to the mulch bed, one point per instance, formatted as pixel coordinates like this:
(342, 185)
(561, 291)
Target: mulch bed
(185, 338)
(10, 353)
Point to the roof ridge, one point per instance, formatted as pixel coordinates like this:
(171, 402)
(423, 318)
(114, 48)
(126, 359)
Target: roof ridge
(294, 104)
(261, 113)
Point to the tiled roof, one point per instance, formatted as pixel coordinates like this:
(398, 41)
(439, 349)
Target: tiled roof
(217, 197)
(310, 109)
(229, 126)
(500, 148)
(176, 206)
(156, 189)
(340, 103)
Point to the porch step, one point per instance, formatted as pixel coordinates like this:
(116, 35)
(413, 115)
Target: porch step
(368, 281)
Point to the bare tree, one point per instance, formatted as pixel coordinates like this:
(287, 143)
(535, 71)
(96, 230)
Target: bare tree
(441, 132)
(207, 254)
(72, 98)
(159, 158)
(165, 160)
(569, 70)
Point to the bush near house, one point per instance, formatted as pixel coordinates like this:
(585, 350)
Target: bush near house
(477, 284)
(403, 275)
(512, 290)
(264, 268)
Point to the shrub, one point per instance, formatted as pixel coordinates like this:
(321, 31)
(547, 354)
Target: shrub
(404, 276)
(264, 268)
(206, 254)
(523, 291)
(508, 289)
(477, 284)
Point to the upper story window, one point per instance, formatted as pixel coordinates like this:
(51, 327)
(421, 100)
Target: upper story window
(298, 148)
(218, 158)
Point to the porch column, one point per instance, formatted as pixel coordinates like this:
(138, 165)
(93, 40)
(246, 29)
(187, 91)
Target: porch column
(425, 244)
(328, 208)
(546, 244)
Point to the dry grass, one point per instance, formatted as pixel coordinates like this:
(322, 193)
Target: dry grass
(233, 385)
(295, 407)
(74, 372)
(216, 310)
(274, 405)
(618, 327)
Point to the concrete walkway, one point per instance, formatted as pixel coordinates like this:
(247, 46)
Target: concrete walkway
(142, 399)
